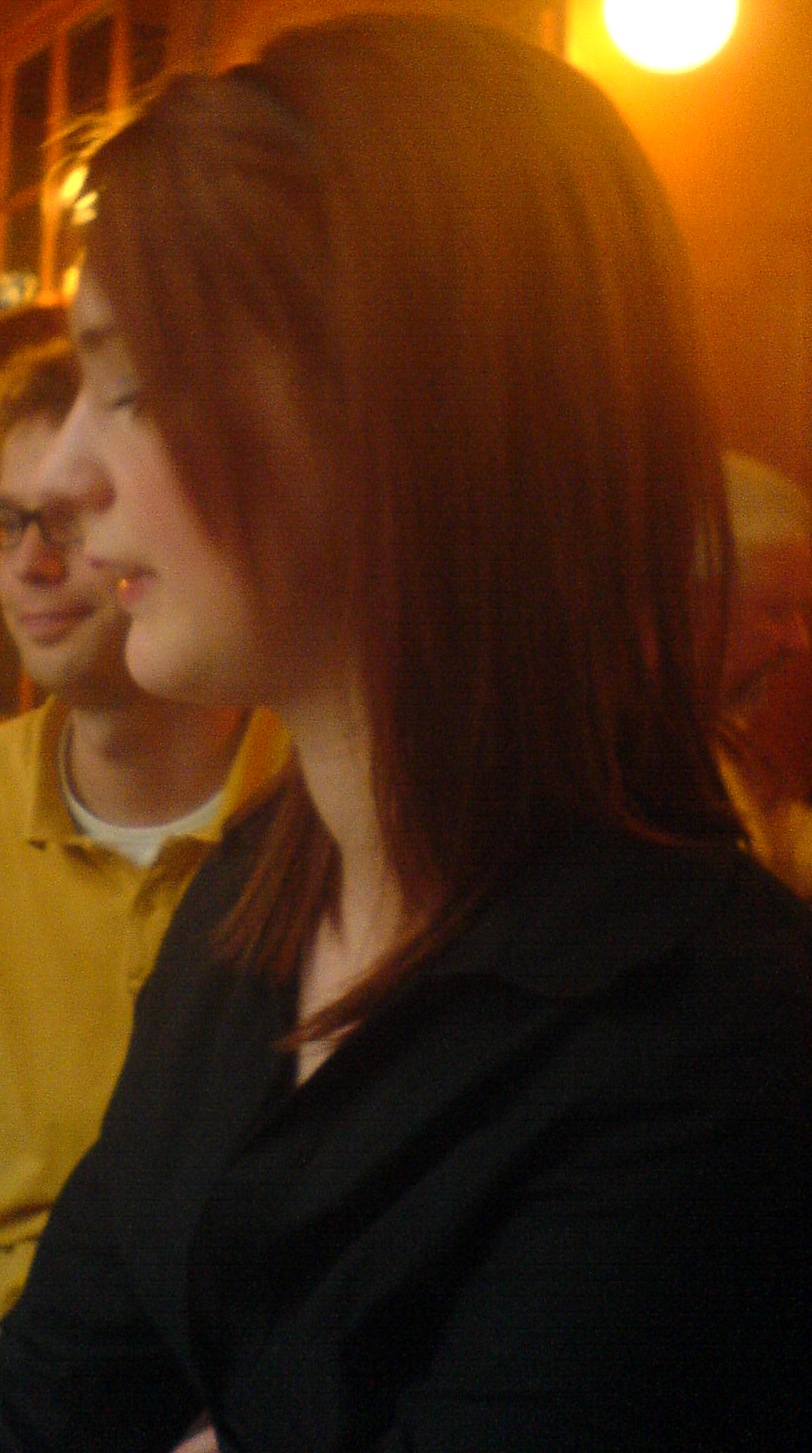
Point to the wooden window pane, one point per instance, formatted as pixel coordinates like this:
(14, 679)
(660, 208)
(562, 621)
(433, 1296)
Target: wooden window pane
(23, 238)
(90, 48)
(147, 52)
(29, 121)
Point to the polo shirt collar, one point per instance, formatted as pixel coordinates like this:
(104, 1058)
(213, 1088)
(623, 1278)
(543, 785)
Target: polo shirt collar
(46, 816)
(262, 753)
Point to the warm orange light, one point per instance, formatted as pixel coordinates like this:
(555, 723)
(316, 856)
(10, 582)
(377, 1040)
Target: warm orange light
(670, 35)
(70, 281)
(72, 185)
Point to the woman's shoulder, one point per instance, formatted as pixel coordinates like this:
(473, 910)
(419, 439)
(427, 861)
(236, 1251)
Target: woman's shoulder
(649, 969)
(603, 905)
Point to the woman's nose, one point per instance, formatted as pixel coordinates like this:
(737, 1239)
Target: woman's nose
(71, 472)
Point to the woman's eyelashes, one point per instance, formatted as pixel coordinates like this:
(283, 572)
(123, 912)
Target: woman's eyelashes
(130, 400)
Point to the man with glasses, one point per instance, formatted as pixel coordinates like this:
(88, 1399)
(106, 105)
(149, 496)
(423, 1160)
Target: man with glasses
(767, 754)
(109, 802)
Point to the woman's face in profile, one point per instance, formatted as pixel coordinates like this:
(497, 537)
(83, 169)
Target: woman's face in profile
(203, 627)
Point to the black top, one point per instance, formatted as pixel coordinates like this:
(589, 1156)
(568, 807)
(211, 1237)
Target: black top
(555, 1196)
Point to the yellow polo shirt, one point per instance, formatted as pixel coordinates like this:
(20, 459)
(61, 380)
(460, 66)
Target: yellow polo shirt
(80, 928)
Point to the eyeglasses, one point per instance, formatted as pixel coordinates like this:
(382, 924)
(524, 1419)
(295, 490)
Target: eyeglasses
(59, 527)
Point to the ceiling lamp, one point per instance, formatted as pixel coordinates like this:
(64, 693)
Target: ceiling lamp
(670, 35)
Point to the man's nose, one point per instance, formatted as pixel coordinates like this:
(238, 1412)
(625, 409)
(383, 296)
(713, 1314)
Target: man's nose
(789, 633)
(36, 559)
(797, 634)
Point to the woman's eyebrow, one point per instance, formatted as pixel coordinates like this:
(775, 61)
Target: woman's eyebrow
(92, 338)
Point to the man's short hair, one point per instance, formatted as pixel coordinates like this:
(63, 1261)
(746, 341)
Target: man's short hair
(766, 508)
(40, 379)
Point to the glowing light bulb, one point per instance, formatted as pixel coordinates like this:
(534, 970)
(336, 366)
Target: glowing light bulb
(72, 185)
(84, 209)
(670, 35)
(70, 281)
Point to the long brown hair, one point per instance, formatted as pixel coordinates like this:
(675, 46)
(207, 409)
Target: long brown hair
(459, 248)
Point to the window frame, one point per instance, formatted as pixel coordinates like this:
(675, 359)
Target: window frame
(49, 29)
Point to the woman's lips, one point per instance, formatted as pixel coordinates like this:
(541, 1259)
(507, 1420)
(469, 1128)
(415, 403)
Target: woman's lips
(131, 586)
(131, 580)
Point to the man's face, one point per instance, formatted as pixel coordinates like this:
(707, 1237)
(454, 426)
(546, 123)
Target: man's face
(61, 611)
(770, 621)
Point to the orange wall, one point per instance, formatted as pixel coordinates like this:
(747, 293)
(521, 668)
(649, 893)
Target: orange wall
(732, 142)
(241, 27)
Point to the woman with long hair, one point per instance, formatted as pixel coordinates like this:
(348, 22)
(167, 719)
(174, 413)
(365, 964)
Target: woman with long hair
(468, 1107)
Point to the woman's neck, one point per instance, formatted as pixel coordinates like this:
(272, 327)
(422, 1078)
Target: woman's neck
(370, 918)
(334, 749)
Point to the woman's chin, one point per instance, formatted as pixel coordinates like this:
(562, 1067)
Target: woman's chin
(159, 672)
